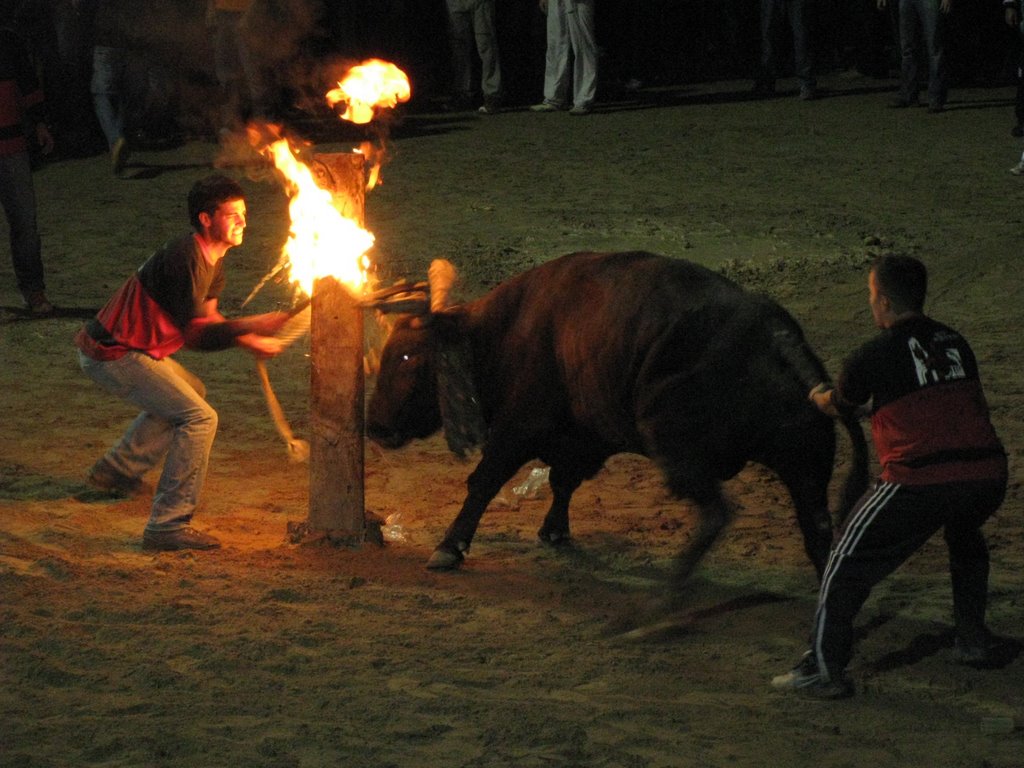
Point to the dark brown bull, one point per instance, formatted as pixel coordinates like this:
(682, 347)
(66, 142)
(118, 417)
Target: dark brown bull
(594, 354)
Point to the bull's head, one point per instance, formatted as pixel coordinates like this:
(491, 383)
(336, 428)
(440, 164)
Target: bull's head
(424, 379)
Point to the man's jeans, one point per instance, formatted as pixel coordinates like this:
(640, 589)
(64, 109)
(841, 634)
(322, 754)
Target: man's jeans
(473, 20)
(176, 420)
(798, 12)
(922, 19)
(109, 70)
(18, 197)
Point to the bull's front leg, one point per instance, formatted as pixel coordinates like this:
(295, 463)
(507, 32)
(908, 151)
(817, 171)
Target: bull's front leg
(483, 485)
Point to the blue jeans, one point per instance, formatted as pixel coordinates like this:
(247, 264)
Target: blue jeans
(109, 72)
(799, 20)
(176, 422)
(18, 197)
(922, 18)
(474, 21)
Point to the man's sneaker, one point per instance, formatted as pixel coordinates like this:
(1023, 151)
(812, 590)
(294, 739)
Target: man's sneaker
(119, 155)
(808, 93)
(544, 107)
(105, 478)
(581, 109)
(805, 679)
(489, 107)
(1018, 169)
(182, 538)
(38, 305)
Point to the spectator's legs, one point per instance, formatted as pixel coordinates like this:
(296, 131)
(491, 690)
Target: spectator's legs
(18, 197)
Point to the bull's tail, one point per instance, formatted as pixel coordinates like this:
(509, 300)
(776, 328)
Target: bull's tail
(794, 350)
(857, 478)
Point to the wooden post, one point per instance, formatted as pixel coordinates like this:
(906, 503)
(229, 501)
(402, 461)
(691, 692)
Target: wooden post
(336, 460)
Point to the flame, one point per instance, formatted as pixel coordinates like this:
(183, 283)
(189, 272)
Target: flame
(321, 241)
(367, 86)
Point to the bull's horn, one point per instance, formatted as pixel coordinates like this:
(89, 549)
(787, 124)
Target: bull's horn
(441, 277)
(401, 298)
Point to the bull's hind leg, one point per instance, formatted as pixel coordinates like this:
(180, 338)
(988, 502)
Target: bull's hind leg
(714, 514)
(555, 528)
(573, 459)
(802, 457)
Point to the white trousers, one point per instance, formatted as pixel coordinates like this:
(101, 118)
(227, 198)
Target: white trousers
(571, 52)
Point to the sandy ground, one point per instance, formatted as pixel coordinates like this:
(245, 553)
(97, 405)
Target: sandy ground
(272, 653)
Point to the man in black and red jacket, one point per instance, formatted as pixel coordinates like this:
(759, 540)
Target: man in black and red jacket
(21, 103)
(168, 303)
(943, 466)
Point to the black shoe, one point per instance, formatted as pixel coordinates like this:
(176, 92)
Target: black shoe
(806, 680)
(182, 538)
(105, 478)
(38, 305)
(763, 89)
(902, 102)
(1017, 131)
(994, 653)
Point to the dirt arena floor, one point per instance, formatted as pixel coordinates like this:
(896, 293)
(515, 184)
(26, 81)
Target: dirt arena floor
(280, 654)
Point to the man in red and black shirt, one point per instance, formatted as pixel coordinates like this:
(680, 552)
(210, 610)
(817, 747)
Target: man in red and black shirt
(942, 467)
(21, 103)
(171, 302)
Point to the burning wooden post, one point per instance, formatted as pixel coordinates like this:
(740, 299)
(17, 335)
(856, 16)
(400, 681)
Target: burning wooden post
(336, 462)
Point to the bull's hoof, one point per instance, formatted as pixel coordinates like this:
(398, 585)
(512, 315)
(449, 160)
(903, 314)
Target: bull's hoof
(444, 559)
(554, 538)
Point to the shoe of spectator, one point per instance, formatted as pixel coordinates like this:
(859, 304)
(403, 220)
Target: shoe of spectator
(119, 155)
(993, 653)
(105, 478)
(544, 107)
(763, 89)
(38, 305)
(580, 109)
(902, 102)
(489, 107)
(808, 93)
(181, 538)
(1017, 131)
(806, 679)
(1018, 169)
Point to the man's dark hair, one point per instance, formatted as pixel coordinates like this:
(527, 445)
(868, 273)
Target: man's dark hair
(903, 279)
(208, 194)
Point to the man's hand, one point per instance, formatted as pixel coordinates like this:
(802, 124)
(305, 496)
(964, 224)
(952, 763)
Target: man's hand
(821, 396)
(260, 346)
(266, 324)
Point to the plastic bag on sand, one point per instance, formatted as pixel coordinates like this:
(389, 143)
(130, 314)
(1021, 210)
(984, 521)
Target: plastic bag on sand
(534, 486)
(392, 528)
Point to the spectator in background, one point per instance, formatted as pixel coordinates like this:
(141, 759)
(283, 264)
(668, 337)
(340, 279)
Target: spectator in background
(21, 103)
(922, 18)
(238, 75)
(474, 20)
(571, 53)
(1015, 18)
(112, 40)
(798, 14)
